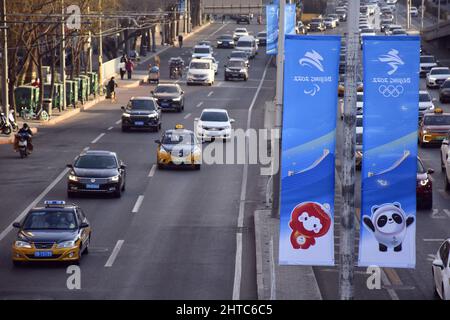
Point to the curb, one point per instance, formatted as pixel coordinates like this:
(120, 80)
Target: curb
(259, 259)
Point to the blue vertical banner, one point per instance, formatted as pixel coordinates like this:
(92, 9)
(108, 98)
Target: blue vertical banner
(272, 16)
(389, 169)
(308, 150)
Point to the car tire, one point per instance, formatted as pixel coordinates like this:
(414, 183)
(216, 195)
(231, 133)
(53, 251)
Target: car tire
(160, 166)
(17, 264)
(179, 110)
(78, 261)
(197, 167)
(442, 165)
(245, 78)
(86, 250)
(117, 193)
(124, 129)
(428, 205)
(70, 194)
(124, 185)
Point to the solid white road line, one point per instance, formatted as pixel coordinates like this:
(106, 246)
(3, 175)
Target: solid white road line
(187, 116)
(34, 203)
(152, 171)
(238, 261)
(98, 138)
(225, 24)
(118, 121)
(110, 128)
(138, 203)
(210, 93)
(114, 254)
(199, 104)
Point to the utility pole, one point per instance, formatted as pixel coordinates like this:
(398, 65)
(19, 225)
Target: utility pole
(279, 92)
(100, 50)
(62, 57)
(439, 14)
(422, 14)
(5, 94)
(408, 14)
(89, 45)
(347, 226)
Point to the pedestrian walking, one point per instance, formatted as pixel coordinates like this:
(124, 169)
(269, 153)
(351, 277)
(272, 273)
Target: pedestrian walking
(180, 40)
(111, 89)
(129, 66)
(122, 65)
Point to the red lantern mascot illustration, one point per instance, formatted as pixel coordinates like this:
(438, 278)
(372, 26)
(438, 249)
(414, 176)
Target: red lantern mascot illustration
(309, 220)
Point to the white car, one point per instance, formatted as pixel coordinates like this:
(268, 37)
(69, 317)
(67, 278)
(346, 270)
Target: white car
(437, 76)
(425, 103)
(330, 23)
(247, 44)
(413, 12)
(239, 32)
(202, 51)
(363, 26)
(200, 71)
(214, 62)
(359, 102)
(441, 271)
(391, 2)
(426, 64)
(214, 124)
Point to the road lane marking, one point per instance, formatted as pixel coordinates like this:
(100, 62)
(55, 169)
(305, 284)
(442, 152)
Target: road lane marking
(138, 203)
(199, 104)
(225, 24)
(118, 121)
(34, 203)
(433, 240)
(152, 171)
(114, 254)
(86, 149)
(110, 128)
(219, 84)
(210, 93)
(238, 259)
(447, 212)
(187, 116)
(98, 138)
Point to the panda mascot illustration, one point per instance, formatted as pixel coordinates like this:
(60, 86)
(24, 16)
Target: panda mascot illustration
(389, 225)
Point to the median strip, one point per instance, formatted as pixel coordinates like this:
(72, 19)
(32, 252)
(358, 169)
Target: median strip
(114, 254)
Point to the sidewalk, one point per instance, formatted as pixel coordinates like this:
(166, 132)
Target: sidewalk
(138, 76)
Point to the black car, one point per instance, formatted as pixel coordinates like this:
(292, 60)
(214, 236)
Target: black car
(141, 113)
(315, 26)
(444, 92)
(262, 38)
(225, 41)
(236, 69)
(169, 97)
(96, 172)
(243, 18)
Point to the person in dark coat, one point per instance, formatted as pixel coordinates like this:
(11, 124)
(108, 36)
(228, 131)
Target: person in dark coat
(180, 40)
(129, 66)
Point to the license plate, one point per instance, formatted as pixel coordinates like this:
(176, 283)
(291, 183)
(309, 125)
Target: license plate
(43, 254)
(139, 123)
(439, 137)
(164, 104)
(92, 186)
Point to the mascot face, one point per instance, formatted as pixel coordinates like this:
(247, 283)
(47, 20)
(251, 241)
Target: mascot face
(389, 219)
(309, 220)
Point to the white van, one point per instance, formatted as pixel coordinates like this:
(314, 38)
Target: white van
(247, 44)
(200, 71)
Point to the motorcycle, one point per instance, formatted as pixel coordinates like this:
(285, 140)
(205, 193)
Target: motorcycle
(7, 128)
(22, 144)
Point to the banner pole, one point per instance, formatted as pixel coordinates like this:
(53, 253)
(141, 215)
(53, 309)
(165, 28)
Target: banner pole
(347, 225)
(279, 92)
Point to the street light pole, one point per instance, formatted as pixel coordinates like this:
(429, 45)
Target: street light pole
(439, 14)
(347, 221)
(422, 14)
(279, 90)
(62, 57)
(89, 46)
(100, 50)
(5, 94)
(408, 14)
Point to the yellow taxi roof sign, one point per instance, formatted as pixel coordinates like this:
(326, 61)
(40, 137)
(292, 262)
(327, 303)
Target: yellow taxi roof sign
(438, 110)
(179, 126)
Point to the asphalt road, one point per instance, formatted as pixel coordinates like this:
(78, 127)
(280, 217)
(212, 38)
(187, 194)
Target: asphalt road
(181, 241)
(432, 225)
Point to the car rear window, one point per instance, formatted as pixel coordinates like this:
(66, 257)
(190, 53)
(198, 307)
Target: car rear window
(91, 161)
(437, 120)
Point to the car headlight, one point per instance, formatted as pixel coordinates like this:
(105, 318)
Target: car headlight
(227, 128)
(114, 179)
(228, 70)
(424, 182)
(242, 70)
(66, 244)
(431, 79)
(424, 131)
(219, 42)
(126, 115)
(190, 75)
(176, 99)
(73, 177)
(162, 150)
(22, 244)
(152, 115)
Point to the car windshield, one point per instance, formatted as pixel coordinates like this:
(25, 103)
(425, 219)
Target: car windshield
(144, 104)
(225, 37)
(424, 97)
(50, 220)
(426, 59)
(238, 55)
(437, 120)
(201, 50)
(214, 116)
(440, 71)
(183, 138)
(199, 65)
(235, 64)
(316, 20)
(359, 97)
(262, 34)
(368, 31)
(398, 31)
(166, 89)
(91, 161)
(244, 44)
(240, 31)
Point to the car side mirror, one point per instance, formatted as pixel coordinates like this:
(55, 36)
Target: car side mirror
(123, 108)
(434, 99)
(224, 65)
(438, 263)
(152, 92)
(84, 225)
(430, 171)
(231, 120)
(196, 119)
(445, 142)
(69, 166)
(17, 225)
(123, 166)
(158, 141)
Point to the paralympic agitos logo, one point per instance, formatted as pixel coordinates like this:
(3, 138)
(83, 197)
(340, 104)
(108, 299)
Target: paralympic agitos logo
(312, 59)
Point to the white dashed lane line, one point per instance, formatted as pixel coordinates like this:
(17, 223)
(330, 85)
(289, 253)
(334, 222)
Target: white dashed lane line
(210, 93)
(152, 171)
(98, 138)
(138, 204)
(114, 254)
(110, 128)
(199, 104)
(85, 149)
(187, 116)
(118, 121)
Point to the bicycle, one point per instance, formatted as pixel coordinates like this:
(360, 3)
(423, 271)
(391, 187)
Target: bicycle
(29, 114)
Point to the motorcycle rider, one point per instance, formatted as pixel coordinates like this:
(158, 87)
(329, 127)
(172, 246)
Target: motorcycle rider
(26, 131)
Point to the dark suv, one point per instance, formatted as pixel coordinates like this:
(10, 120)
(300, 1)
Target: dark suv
(243, 18)
(169, 97)
(236, 69)
(141, 113)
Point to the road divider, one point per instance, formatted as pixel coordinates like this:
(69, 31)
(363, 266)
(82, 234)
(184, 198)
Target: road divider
(114, 254)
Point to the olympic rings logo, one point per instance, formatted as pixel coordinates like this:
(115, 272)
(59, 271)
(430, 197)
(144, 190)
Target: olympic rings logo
(390, 91)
